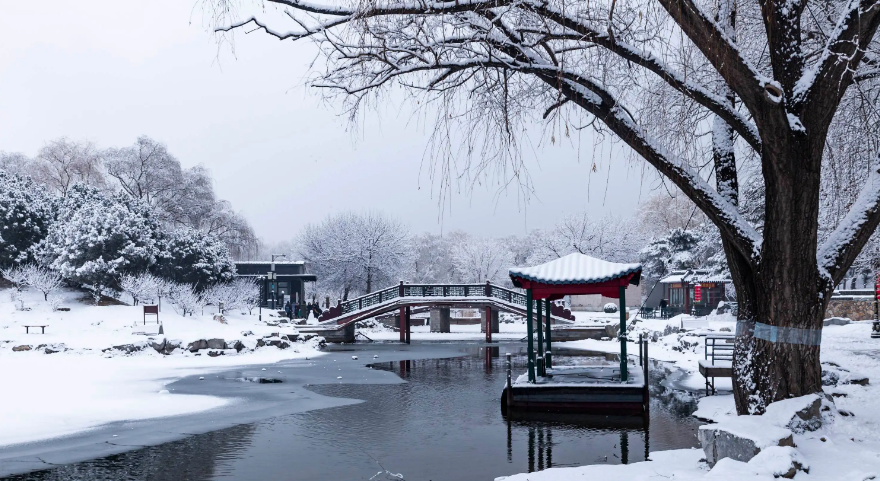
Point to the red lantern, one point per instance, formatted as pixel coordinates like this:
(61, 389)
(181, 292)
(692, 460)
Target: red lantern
(698, 293)
(877, 288)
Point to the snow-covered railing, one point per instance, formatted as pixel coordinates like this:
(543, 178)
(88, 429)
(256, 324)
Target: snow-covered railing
(421, 291)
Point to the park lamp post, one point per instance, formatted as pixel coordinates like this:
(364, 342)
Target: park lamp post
(875, 326)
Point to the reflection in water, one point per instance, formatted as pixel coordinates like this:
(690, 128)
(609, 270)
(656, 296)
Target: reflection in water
(444, 423)
(194, 458)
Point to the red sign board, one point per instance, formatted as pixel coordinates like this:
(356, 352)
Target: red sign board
(877, 288)
(698, 292)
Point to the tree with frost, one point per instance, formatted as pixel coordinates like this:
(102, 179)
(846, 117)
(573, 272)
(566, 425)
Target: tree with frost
(477, 260)
(247, 293)
(44, 280)
(25, 215)
(609, 238)
(194, 257)
(355, 252)
(184, 299)
(15, 163)
(63, 163)
(139, 286)
(678, 250)
(430, 262)
(663, 212)
(179, 197)
(99, 237)
(17, 275)
(695, 88)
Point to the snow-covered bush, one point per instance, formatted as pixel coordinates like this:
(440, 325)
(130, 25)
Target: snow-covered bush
(99, 237)
(248, 293)
(54, 301)
(184, 299)
(610, 307)
(196, 258)
(140, 287)
(25, 214)
(16, 275)
(42, 279)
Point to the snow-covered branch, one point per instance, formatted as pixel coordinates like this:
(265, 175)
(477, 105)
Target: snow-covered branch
(823, 84)
(842, 247)
(720, 50)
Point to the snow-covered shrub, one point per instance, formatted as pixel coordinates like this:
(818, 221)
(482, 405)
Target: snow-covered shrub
(194, 257)
(248, 293)
(18, 300)
(16, 275)
(42, 279)
(25, 214)
(99, 237)
(217, 294)
(140, 287)
(184, 299)
(610, 307)
(54, 301)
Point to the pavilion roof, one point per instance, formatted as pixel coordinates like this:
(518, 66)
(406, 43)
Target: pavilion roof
(576, 268)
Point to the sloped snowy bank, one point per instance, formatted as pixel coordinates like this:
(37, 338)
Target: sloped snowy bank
(845, 447)
(72, 378)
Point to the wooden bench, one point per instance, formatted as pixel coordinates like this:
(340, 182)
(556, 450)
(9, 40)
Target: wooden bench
(27, 329)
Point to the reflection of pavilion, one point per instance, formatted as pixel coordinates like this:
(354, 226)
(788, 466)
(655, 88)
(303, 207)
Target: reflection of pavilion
(586, 388)
(540, 433)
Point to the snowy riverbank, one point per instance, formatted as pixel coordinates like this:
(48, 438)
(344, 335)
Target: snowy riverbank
(846, 447)
(97, 364)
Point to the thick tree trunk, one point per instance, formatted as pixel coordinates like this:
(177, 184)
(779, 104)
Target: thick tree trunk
(782, 303)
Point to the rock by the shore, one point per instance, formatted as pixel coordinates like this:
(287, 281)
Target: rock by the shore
(741, 438)
(216, 344)
(196, 346)
(22, 348)
(165, 347)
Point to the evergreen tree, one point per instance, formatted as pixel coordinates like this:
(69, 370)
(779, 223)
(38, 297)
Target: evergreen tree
(189, 256)
(98, 237)
(25, 214)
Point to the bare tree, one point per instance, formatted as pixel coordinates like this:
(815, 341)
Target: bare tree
(62, 163)
(17, 275)
(355, 252)
(766, 79)
(15, 163)
(478, 260)
(663, 212)
(184, 299)
(610, 238)
(42, 279)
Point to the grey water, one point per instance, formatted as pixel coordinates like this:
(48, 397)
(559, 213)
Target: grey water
(443, 423)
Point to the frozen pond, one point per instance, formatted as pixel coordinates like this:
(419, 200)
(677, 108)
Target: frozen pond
(444, 423)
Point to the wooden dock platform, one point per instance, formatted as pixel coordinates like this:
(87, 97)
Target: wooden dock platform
(584, 389)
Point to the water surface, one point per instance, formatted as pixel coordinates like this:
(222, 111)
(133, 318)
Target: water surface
(444, 423)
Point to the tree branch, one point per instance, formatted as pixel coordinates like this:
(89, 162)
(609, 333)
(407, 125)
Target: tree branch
(838, 252)
(748, 84)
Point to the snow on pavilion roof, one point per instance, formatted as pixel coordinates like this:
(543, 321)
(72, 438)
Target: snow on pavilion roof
(694, 276)
(575, 269)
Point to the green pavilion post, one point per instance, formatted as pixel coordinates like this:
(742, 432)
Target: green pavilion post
(529, 333)
(547, 360)
(540, 326)
(622, 308)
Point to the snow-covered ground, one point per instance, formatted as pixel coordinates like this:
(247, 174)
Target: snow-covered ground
(846, 447)
(83, 384)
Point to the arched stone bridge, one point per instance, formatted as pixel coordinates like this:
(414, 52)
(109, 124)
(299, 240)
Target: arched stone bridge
(337, 323)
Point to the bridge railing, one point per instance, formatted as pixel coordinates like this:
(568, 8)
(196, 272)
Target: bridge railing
(433, 290)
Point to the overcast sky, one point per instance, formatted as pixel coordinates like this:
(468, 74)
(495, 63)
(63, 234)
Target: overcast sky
(109, 71)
